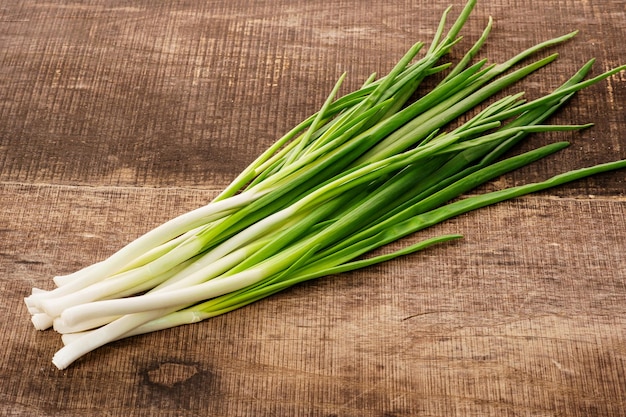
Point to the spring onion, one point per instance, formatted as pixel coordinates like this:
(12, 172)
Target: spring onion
(367, 169)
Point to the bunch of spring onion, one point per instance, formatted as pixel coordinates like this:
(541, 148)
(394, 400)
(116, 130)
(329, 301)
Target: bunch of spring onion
(367, 169)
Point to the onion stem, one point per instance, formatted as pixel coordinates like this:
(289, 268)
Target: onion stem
(368, 169)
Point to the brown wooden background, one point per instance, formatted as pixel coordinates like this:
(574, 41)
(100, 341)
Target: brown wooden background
(117, 115)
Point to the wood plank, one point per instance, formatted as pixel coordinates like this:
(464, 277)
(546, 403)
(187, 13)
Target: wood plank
(521, 317)
(187, 94)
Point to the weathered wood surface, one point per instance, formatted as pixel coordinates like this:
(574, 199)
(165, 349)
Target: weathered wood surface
(115, 116)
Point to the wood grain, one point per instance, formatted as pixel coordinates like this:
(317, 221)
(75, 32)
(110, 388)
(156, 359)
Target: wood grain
(115, 116)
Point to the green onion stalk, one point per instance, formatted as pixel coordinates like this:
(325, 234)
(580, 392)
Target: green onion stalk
(367, 169)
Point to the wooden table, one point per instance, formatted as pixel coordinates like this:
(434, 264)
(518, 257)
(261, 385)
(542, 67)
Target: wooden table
(115, 116)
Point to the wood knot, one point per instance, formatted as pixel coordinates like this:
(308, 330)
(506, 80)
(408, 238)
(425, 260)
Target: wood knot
(169, 374)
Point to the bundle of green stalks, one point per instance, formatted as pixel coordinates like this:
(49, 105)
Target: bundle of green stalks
(367, 169)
